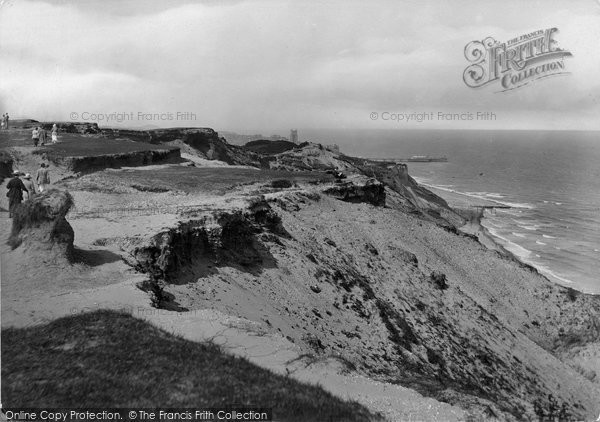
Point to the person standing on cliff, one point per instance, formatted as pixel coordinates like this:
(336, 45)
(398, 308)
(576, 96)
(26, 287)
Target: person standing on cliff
(54, 133)
(42, 136)
(15, 193)
(29, 186)
(42, 177)
(6, 121)
(35, 136)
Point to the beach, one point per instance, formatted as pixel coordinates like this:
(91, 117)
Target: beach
(472, 209)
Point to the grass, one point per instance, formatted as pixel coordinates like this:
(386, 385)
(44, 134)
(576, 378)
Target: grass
(111, 359)
(75, 145)
(208, 179)
(269, 147)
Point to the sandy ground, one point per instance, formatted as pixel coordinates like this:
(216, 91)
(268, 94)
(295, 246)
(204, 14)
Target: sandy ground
(108, 283)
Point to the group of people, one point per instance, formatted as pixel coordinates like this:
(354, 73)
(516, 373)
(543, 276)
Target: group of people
(4, 122)
(16, 187)
(38, 135)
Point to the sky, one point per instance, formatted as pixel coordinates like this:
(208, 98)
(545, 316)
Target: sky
(261, 66)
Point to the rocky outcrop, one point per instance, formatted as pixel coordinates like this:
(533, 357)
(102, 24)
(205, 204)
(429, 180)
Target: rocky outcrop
(196, 247)
(409, 195)
(307, 156)
(89, 163)
(40, 228)
(358, 189)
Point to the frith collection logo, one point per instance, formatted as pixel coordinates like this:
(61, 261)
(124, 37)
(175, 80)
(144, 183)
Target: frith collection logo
(514, 63)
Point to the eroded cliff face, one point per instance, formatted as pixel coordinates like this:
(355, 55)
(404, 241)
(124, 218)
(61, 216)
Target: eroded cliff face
(355, 190)
(86, 164)
(196, 245)
(204, 142)
(308, 156)
(409, 196)
(384, 292)
(40, 229)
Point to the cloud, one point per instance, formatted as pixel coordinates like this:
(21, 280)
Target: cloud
(266, 65)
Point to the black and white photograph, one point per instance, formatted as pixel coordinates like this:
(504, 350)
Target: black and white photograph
(303, 211)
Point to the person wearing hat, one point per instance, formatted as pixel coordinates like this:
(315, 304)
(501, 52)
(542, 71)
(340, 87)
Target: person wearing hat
(15, 193)
(29, 186)
(42, 177)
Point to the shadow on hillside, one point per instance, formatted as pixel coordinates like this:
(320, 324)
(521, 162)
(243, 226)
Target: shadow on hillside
(94, 258)
(110, 359)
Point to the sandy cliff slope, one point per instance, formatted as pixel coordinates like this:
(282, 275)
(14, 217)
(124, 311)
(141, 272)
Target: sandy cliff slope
(405, 301)
(369, 280)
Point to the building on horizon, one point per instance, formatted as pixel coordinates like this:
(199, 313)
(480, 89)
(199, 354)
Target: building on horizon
(294, 136)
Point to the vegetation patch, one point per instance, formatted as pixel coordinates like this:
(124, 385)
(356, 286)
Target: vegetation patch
(281, 184)
(110, 359)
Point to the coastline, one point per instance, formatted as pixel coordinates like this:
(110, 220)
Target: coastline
(467, 206)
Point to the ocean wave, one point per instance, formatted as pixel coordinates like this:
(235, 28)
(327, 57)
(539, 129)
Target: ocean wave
(512, 247)
(548, 272)
(524, 254)
(531, 228)
(522, 205)
(540, 243)
(547, 236)
(518, 234)
(479, 195)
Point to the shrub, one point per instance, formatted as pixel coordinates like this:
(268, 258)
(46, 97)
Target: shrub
(282, 184)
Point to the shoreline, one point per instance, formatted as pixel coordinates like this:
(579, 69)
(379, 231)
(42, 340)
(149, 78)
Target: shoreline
(466, 206)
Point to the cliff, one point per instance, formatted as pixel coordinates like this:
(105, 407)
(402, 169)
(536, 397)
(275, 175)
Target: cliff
(367, 270)
(201, 142)
(307, 156)
(399, 299)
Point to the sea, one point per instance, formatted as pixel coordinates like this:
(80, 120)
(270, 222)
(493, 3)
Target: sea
(550, 179)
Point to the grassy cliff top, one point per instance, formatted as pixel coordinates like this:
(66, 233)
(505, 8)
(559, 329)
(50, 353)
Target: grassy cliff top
(110, 358)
